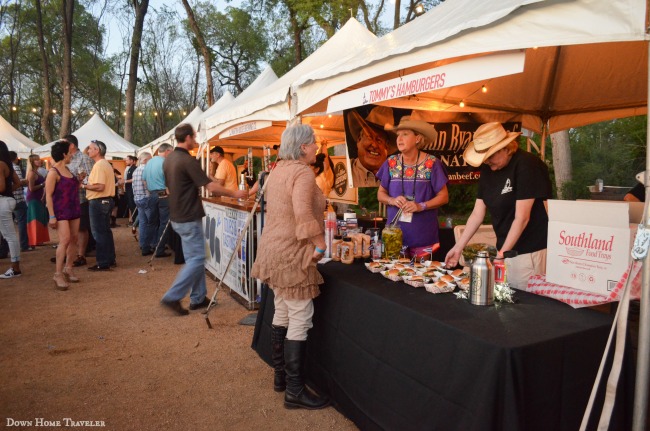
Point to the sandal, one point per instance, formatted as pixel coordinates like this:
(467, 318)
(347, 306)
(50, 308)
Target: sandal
(69, 275)
(59, 281)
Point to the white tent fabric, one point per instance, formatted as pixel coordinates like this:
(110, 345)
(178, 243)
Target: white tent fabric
(168, 138)
(95, 128)
(573, 73)
(265, 79)
(15, 140)
(271, 103)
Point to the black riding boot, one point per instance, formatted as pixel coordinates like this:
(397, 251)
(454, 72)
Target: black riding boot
(297, 395)
(278, 334)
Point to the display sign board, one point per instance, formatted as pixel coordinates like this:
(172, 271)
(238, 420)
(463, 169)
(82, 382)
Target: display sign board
(222, 226)
(343, 191)
(449, 75)
(588, 244)
(245, 128)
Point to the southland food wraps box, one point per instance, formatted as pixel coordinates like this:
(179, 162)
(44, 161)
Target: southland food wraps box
(589, 243)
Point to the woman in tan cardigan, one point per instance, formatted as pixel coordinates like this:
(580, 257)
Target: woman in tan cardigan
(291, 244)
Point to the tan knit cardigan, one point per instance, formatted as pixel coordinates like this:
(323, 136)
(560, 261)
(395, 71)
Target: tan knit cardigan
(293, 221)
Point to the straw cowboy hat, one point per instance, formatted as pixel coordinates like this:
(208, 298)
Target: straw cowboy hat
(378, 117)
(422, 127)
(488, 139)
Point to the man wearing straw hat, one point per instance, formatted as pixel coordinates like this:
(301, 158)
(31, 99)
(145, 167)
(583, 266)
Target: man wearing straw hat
(514, 186)
(372, 144)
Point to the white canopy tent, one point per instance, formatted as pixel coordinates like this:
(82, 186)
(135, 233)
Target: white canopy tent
(168, 138)
(95, 128)
(16, 141)
(583, 61)
(208, 126)
(261, 119)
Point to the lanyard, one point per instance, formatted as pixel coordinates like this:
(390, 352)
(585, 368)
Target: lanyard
(415, 175)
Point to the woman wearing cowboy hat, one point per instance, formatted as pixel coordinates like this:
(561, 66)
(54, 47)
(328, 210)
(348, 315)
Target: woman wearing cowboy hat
(416, 182)
(513, 187)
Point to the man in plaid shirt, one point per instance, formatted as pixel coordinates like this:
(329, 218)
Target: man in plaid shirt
(141, 198)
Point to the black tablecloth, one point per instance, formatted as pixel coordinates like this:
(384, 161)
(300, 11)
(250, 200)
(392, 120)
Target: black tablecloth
(398, 358)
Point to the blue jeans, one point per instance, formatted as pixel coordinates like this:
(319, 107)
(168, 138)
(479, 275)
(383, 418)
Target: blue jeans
(20, 215)
(192, 276)
(143, 224)
(157, 217)
(100, 225)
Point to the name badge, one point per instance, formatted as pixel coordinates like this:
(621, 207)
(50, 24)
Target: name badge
(406, 217)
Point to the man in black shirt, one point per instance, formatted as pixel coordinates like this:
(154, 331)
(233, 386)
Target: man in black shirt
(184, 177)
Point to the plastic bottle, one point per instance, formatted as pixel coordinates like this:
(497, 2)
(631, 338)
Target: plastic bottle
(336, 248)
(347, 255)
(377, 247)
(365, 245)
(330, 229)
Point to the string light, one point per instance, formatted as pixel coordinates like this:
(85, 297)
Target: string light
(140, 114)
(155, 114)
(329, 116)
(124, 114)
(74, 112)
(184, 112)
(484, 89)
(90, 112)
(53, 111)
(34, 110)
(461, 104)
(13, 108)
(169, 113)
(322, 126)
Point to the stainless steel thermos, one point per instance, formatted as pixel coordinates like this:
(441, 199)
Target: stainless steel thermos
(481, 285)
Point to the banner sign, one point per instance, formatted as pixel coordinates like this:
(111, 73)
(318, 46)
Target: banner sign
(245, 128)
(450, 75)
(369, 145)
(221, 227)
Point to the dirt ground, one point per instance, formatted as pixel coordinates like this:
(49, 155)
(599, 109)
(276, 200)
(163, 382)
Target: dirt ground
(106, 351)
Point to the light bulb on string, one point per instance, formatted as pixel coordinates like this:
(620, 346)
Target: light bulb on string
(14, 108)
(53, 111)
(169, 113)
(484, 89)
(184, 112)
(461, 104)
(34, 110)
(322, 126)
(140, 114)
(91, 112)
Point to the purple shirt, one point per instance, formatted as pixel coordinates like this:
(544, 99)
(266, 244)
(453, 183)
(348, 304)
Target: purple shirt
(427, 177)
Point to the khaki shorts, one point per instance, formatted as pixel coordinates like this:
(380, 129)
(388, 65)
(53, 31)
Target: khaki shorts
(519, 269)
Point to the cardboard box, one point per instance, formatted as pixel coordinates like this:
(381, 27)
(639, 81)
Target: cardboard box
(589, 243)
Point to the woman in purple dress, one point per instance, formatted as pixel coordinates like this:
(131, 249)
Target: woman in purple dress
(62, 193)
(416, 182)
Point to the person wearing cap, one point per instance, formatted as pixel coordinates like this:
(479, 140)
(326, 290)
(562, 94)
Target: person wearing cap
(414, 182)
(226, 174)
(372, 144)
(637, 193)
(514, 186)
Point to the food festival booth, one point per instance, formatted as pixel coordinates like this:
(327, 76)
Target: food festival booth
(393, 357)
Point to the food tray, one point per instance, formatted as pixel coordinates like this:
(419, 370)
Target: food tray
(391, 277)
(407, 280)
(432, 288)
(375, 270)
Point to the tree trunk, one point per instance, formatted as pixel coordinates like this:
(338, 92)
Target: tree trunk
(45, 74)
(136, 42)
(297, 41)
(207, 55)
(561, 161)
(66, 84)
(398, 5)
(14, 44)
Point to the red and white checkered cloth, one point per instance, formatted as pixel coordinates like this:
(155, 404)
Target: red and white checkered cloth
(578, 298)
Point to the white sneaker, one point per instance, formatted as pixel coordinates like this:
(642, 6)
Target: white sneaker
(11, 274)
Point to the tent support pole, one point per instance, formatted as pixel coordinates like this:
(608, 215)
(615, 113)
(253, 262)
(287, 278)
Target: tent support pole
(542, 144)
(640, 416)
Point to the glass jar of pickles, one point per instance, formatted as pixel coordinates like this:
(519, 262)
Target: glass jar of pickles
(391, 236)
